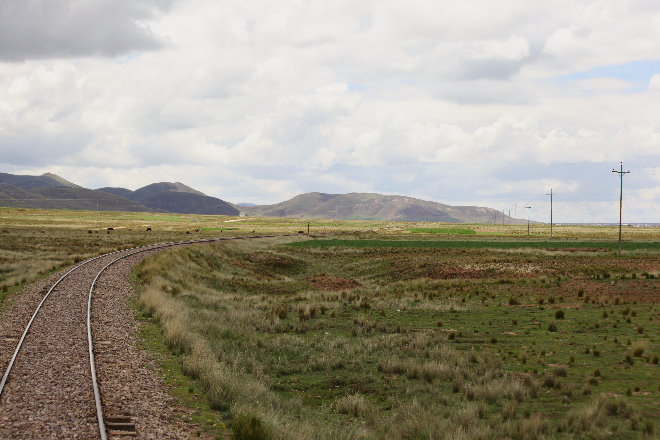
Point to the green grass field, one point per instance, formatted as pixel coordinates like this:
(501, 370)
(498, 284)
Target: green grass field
(587, 246)
(381, 332)
(379, 341)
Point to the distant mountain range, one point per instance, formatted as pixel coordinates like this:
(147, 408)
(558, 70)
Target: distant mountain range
(174, 197)
(371, 206)
(50, 191)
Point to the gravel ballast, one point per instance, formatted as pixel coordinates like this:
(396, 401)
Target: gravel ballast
(49, 393)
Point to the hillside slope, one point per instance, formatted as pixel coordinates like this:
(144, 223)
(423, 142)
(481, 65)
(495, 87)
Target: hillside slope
(45, 180)
(175, 197)
(371, 206)
(50, 197)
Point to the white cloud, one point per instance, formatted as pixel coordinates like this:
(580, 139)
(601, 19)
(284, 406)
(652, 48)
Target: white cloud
(261, 100)
(64, 28)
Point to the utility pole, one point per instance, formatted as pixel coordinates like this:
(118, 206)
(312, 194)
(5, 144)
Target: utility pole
(307, 228)
(550, 211)
(620, 173)
(528, 208)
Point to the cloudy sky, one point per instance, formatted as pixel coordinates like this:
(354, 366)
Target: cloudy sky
(461, 102)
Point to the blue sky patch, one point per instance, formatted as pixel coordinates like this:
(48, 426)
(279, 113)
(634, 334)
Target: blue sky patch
(356, 87)
(639, 72)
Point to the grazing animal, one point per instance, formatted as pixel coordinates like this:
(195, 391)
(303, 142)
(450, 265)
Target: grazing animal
(148, 229)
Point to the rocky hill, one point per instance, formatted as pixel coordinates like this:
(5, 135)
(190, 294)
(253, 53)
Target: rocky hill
(175, 197)
(50, 191)
(371, 206)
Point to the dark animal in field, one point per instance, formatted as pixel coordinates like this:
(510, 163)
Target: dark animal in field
(111, 229)
(301, 232)
(148, 229)
(89, 231)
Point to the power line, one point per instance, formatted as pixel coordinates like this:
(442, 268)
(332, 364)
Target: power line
(620, 173)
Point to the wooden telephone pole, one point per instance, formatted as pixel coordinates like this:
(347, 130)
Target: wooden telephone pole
(620, 173)
(528, 208)
(550, 211)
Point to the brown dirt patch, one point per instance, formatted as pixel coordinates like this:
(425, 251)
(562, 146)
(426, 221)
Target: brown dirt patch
(324, 282)
(576, 250)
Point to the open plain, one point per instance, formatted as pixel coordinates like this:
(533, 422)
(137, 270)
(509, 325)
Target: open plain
(362, 329)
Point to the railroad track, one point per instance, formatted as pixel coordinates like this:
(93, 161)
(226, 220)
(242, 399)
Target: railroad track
(38, 385)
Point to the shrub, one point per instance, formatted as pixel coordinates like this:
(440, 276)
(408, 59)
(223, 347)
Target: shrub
(533, 427)
(559, 314)
(280, 310)
(552, 327)
(638, 348)
(550, 382)
(354, 405)
(649, 428)
(560, 372)
(247, 426)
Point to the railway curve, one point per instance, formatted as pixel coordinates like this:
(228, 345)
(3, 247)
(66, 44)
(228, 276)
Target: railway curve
(50, 387)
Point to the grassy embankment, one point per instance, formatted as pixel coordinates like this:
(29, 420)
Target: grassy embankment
(350, 339)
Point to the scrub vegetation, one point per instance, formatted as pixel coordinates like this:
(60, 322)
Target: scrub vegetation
(380, 330)
(293, 338)
(36, 242)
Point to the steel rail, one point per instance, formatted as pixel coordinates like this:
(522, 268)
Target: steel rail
(34, 315)
(92, 364)
(136, 250)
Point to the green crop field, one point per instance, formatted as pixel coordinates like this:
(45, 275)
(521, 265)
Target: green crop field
(557, 245)
(369, 330)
